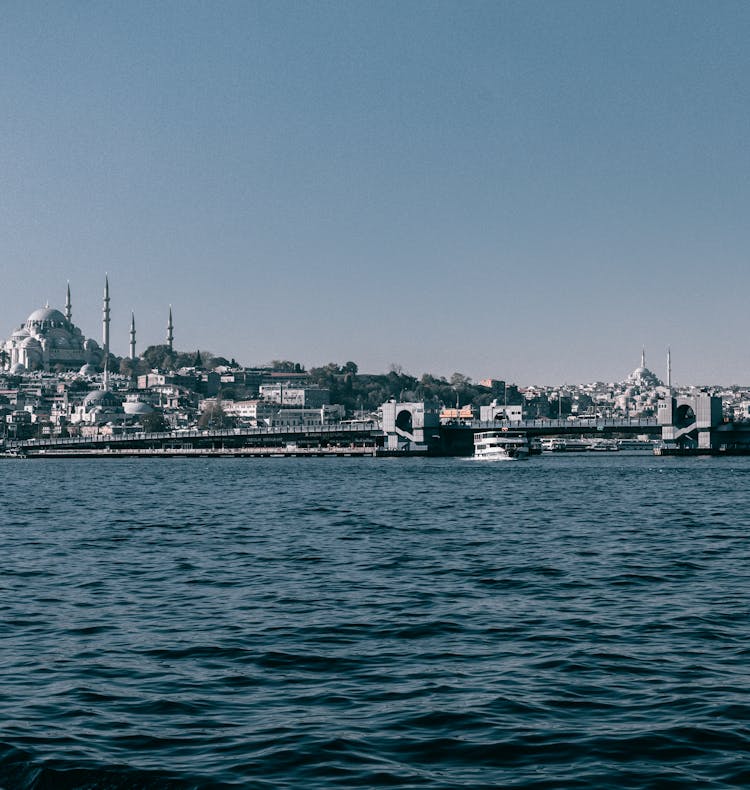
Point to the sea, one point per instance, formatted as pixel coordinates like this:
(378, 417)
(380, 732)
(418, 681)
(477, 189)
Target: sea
(577, 621)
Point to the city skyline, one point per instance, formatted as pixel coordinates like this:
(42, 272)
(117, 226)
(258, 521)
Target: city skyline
(527, 191)
(168, 340)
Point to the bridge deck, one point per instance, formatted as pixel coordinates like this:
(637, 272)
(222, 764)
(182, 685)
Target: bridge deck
(228, 435)
(557, 427)
(341, 434)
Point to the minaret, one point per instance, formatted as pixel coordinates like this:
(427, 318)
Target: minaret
(132, 336)
(105, 332)
(669, 367)
(170, 332)
(68, 306)
(643, 357)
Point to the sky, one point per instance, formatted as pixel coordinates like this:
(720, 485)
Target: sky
(530, 191)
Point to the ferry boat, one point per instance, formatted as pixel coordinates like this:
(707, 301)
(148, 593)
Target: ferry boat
(603, 446)
(557, 445)
(500, 446)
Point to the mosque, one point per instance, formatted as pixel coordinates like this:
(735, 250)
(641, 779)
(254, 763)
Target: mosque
(49, 341)
(643, 377)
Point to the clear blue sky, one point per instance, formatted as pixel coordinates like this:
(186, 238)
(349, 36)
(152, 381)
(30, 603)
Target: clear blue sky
(525, 190)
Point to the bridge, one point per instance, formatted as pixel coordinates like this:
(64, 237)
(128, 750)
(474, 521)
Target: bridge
(458, 438)
(685, 424)
(416, 427)
(577, 427)
(273, 440)
(450, 439)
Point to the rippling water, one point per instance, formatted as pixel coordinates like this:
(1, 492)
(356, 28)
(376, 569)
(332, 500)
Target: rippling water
(567, 622)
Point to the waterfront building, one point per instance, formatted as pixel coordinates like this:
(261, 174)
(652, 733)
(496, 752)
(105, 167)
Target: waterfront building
(500, 411)
(296, 396)
(251, 412)
(325, 415)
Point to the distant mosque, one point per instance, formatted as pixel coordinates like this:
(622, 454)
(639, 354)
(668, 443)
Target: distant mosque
(643, 377)
(49, 341)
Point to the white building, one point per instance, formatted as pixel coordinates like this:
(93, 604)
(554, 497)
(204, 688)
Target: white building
(298, 397)
(499, 411)
(252, 412)
(49, 340)
(325, 415)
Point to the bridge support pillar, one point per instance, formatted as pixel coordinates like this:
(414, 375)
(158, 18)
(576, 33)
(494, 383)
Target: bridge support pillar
(413, 427)
(691, 421)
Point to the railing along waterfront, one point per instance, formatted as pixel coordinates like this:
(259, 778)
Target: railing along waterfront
(334, 429)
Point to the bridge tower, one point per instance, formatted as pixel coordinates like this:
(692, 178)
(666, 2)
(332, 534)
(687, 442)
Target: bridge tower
(690, 421)
(411, 427)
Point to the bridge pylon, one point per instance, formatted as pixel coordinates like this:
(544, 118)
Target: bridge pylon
(691, 421)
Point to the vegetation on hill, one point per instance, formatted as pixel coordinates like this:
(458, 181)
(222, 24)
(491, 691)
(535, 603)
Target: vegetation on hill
(366, 391)
(162, 358)
(358, 392)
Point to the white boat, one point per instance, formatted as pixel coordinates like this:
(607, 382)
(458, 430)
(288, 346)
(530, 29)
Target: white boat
(500, 446)
(603, 446)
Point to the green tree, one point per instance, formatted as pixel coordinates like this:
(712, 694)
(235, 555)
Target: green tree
(157, 356)
(285, 366)
(214, 416)
(153, 423)
(128, 367)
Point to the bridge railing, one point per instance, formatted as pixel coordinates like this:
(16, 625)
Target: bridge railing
(519, 425)
(218, 433)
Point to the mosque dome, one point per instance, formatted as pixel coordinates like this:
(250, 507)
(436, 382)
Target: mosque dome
(30, 342)
(642, 376)
(137, 407)
(87, 370)
(46, 315)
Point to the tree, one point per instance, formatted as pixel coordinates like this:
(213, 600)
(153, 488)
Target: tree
(214, 416)
(156, 356)
(285, 366)
(152, 423)
(128, 367)
(459, 380)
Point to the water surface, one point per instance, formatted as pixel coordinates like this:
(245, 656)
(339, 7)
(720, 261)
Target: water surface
(271, 623)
